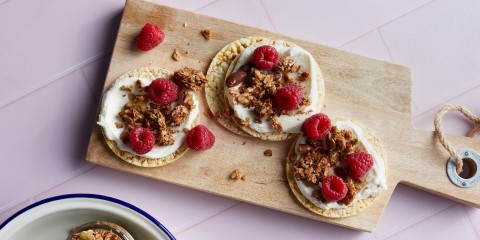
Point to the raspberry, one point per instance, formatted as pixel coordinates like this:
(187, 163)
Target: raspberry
(334, 188)
(288, 98)
(150, 36)
(359, 164)
(162, 91)
(200, 138)
(141, 140)
(316, 126)
(265, 57)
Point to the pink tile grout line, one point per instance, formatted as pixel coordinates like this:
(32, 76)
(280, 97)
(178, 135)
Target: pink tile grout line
(74, 174)
(56, 77)
(268, 16)
(208, 218)
(206, 5)
(418, 220)
(88, 85)
(379, 25)
(46, 188)
(425, 219)
(3, 1)
(448, 99)
(471, 222)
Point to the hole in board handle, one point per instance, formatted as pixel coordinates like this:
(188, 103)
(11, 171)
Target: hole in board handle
(469, 168)
(470, 175)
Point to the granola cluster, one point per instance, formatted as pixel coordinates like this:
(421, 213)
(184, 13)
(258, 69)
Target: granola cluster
(237, 175)
(190, 78)
(259, 87)
(159, 119)
(327, 156)
(96, 234)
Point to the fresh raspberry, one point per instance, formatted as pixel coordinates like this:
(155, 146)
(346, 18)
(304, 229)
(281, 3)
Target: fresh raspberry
(150, 36)
(200, 138)
(162, 91)
(316, 126)
(265, 57)
(288, 98)
(359, 164)
(141, 140)
(334, 188)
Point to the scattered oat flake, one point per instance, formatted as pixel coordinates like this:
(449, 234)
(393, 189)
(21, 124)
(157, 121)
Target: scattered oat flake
(176, 55)
(206, 33)
(118, 125)
(237, 175)
(184, 24)
(268, 153)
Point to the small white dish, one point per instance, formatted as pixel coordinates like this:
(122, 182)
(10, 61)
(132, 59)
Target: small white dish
(55, 217)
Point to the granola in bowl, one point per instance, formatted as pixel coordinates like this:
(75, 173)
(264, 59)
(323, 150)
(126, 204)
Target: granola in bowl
(99, 230)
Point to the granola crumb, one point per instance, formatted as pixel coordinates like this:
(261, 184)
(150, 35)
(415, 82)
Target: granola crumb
(206, 33)
(237, 175)
(126, 88)
(176, 55)
(277, 126)
(184, 24)
(268, 153)
(118, 125)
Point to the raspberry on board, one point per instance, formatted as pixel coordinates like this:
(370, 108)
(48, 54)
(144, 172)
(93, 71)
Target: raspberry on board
(265, 57)
(141, 140)
(162, 91)
(316, 126)
(150, 36)
(288, 98)
(200, 138)
(334, 188)
(359, 164)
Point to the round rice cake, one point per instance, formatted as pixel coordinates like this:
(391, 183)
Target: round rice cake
(222, 66)
(351, 209)
(150, 73)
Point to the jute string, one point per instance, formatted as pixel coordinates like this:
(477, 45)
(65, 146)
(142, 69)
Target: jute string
(441, 137)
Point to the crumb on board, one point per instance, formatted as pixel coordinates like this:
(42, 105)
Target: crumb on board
(184, 24)
(206, 33)
(176, 55)
(237, 175)
(244, 142)
(268, 153)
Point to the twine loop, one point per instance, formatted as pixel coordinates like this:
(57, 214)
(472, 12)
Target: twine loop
(441, 137)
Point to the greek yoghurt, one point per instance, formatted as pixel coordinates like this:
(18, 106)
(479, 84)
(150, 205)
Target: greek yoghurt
(290, 124)
(113, 102)
(376, 181)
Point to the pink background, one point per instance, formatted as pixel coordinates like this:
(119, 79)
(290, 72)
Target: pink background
(53, 59)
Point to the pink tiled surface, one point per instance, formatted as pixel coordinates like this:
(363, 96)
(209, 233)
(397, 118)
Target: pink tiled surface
(54, 55)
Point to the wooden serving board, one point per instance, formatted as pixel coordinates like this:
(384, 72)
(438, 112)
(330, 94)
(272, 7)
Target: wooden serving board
(373, 92)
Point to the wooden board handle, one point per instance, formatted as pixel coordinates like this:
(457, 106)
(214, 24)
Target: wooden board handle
(426, 168)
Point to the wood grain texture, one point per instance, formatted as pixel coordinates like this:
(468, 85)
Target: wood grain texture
(373, 92)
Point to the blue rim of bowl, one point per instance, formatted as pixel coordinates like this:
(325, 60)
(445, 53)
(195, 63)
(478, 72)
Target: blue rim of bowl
(93, 196)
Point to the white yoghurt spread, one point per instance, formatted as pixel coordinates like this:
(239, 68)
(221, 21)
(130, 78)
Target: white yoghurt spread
(290, 124)
(376, 180)
(113, 102)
